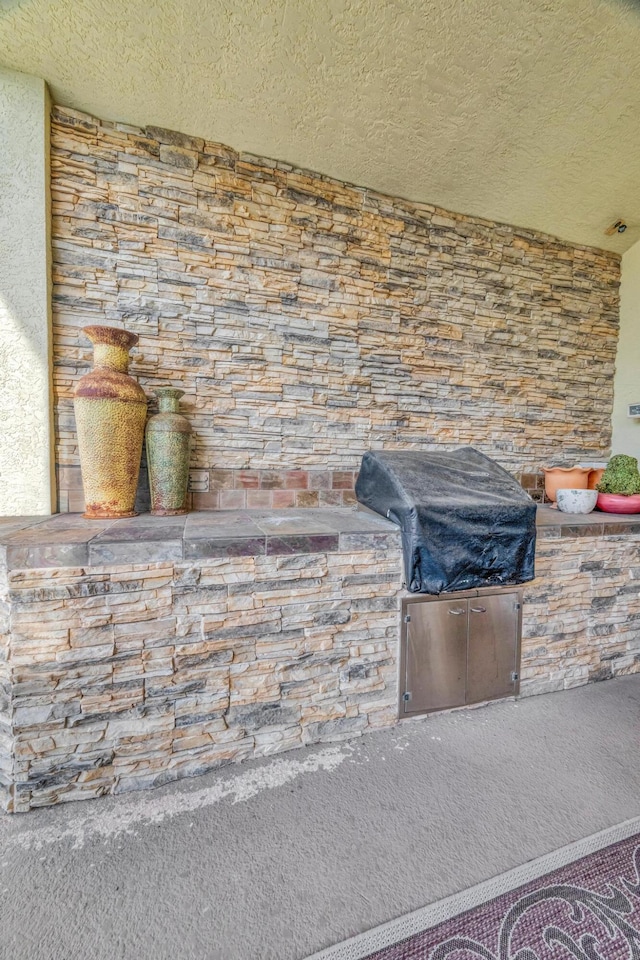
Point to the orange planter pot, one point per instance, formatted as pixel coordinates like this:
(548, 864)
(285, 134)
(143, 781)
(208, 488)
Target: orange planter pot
(595, 476)
(564, 478)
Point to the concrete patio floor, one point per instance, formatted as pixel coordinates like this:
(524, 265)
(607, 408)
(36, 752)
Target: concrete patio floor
(273, 860)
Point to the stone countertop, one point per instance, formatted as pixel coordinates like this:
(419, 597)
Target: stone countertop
(69, 540)
(552, 523)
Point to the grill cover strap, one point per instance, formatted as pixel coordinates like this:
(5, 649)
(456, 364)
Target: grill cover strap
(465, 521)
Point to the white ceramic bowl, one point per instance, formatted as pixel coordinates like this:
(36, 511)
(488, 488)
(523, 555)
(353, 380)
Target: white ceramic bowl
(576, 501)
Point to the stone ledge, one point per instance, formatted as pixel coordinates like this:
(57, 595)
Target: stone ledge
(68, 540)
(553, 524)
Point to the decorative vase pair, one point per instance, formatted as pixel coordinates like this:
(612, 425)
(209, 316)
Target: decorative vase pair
(111, 411)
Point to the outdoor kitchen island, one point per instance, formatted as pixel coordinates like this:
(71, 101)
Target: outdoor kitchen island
(134, 652)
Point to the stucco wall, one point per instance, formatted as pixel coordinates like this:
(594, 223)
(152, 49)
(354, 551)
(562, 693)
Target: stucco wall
(626, 431)
(25, 324)
(309, 320)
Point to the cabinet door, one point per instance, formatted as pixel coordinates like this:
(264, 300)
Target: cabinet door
(436, 655)
(493, 646)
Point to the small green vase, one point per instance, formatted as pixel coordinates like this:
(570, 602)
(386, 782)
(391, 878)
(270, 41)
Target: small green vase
(168, 451)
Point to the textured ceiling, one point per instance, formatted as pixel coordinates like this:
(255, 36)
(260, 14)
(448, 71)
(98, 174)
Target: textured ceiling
(525, 111)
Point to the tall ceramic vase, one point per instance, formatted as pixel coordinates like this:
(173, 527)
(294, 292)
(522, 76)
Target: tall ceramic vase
(111, 409)
(168, 449)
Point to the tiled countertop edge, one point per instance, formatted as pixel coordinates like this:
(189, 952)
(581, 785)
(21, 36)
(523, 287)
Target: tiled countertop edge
(92, 554)
(553, 524)
(69, 541)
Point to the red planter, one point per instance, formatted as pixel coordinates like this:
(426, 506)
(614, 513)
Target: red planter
(618, 503)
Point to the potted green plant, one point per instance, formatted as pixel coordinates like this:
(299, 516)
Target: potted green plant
(619, 487)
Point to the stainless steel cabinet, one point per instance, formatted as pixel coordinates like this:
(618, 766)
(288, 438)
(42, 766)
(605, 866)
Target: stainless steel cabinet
(459, 649)
(436, 655)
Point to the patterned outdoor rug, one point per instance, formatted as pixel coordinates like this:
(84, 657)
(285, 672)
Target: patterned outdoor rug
(580, 903)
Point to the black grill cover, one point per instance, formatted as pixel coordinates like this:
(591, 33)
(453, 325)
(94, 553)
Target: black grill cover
(465, 522)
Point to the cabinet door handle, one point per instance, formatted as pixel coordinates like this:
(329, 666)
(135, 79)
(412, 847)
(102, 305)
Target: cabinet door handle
(456, 613)
(478, 609)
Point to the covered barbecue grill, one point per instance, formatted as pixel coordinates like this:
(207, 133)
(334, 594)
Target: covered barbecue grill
(465, 522)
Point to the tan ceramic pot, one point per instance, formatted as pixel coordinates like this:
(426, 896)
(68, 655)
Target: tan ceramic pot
(111, 409)
(564, 478)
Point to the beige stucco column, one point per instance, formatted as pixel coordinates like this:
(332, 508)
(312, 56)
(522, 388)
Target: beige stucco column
(626, 430)
(26, 432)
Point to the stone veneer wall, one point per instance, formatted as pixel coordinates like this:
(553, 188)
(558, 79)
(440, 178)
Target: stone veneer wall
(129, 676)
(6, 728)
(122, 677)
(309, 320)
(582, 612)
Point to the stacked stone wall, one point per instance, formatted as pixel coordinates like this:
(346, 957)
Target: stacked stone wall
(309, 320)
(126, 677)
(582, 613)
(6, 732)
(123, 677)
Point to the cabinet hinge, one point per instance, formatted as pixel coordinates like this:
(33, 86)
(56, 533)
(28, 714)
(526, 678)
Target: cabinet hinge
(406, 697)
(515, 676)
(407, 619)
